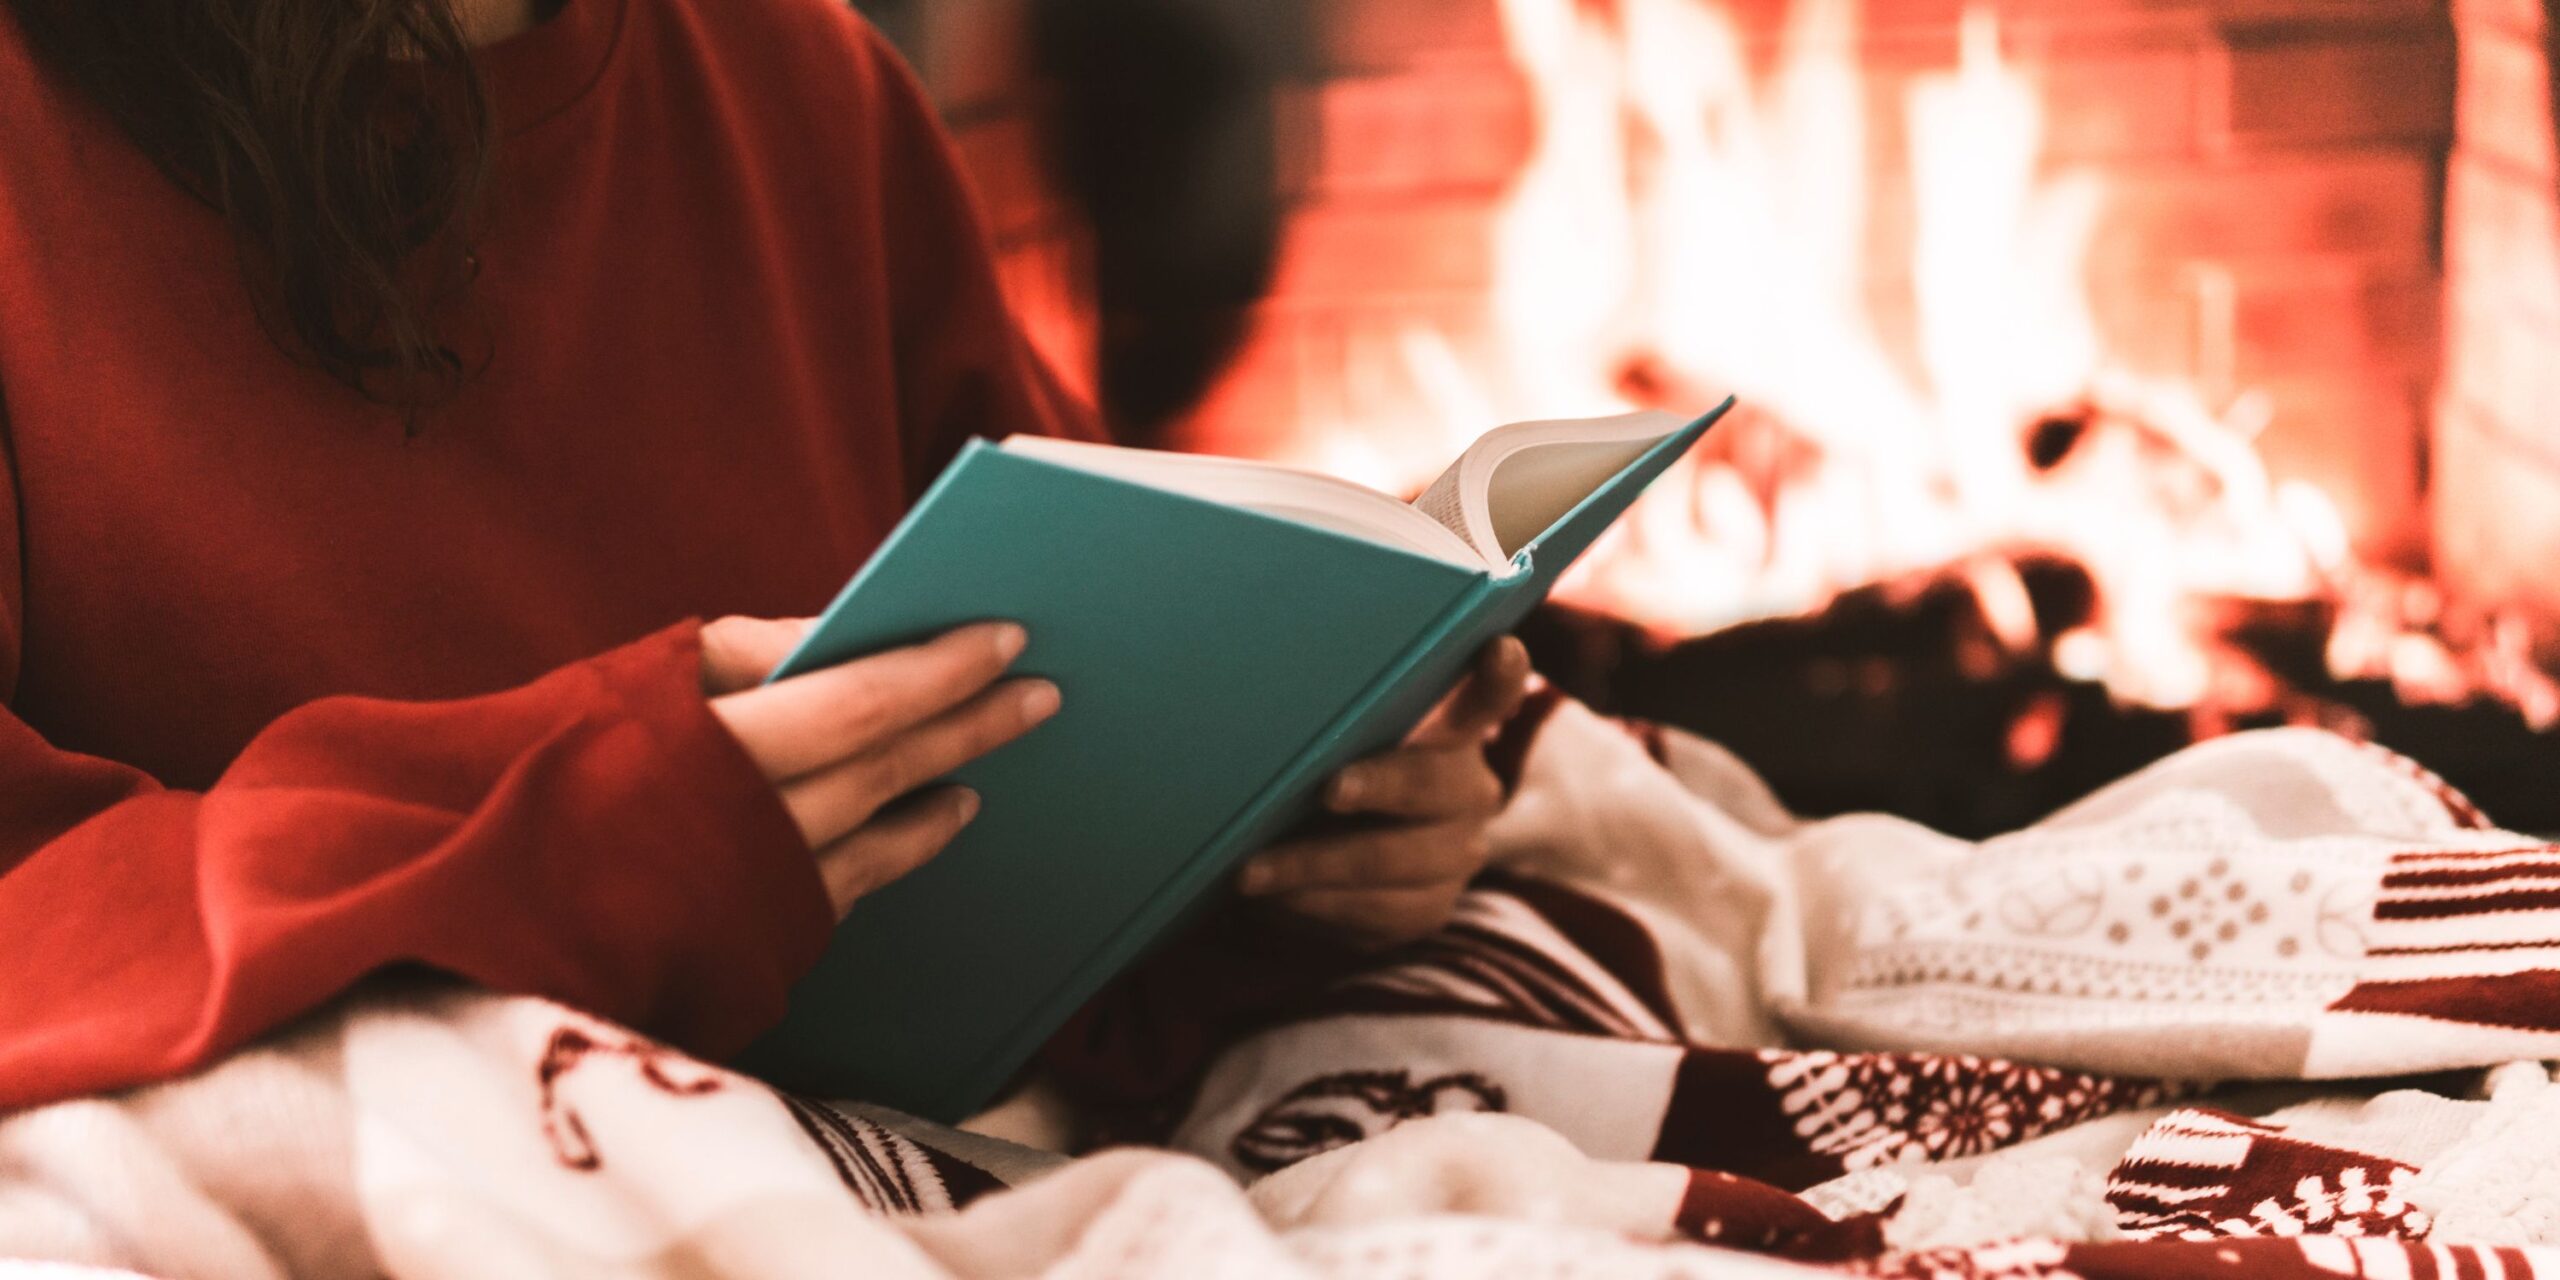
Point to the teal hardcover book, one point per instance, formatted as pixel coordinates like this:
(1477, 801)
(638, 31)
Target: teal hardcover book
(1225, 635)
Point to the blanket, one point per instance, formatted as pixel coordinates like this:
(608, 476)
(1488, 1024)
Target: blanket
(2279, 1005)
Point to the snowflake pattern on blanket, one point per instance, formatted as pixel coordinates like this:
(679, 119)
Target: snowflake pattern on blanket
(2286, 905)
(1867, 1109)
(1512, 970)
(1855, 1046)
(2318, 1258)
(2207, 1175)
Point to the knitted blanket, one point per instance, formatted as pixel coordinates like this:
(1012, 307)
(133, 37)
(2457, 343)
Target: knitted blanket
(2275, 1007)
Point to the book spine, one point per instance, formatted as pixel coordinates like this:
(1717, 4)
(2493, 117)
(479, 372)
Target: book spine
(1379, 715)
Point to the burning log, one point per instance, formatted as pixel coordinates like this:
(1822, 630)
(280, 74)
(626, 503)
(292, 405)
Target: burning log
(1879, 702)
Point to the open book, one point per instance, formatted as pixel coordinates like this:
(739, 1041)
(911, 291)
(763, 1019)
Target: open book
(1225, 636)
(1507, 488)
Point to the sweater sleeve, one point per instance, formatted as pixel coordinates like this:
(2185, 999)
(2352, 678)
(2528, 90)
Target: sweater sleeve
(595, 836)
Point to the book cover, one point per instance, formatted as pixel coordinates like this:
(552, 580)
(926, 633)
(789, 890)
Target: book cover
(1216, 663)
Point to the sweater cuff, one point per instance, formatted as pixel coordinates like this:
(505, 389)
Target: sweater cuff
(746, 900)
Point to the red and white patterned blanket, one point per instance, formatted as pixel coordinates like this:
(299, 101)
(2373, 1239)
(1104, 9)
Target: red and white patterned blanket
(2277, 1007)
(2085, 1048)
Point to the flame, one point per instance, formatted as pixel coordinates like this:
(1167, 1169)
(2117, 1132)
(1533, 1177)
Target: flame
(1681, 228)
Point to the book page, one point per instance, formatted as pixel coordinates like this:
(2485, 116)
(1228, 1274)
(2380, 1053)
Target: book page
(1511, 485)
(1443, 502)
(1515, 482)
(1307, 497)
(1534, 488)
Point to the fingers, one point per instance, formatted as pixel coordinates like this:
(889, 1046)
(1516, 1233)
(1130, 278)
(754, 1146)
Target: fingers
(1416, 782)
(1399, 857)
(1375, 917)
(902, 838)
(842, 797)
(738, 652)
(1482, 702)
(810, 721)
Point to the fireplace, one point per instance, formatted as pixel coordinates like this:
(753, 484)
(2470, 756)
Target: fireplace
(2118, 372)
(2496, 456)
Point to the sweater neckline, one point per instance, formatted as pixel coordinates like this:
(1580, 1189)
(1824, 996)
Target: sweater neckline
(538, 74)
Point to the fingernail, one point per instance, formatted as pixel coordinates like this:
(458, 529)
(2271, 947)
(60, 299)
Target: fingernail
(1011, 640)
(1038, 700)
(966, 801)
(1346, 790)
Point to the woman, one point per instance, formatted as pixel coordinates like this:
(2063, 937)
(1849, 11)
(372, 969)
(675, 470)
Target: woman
(387, 385)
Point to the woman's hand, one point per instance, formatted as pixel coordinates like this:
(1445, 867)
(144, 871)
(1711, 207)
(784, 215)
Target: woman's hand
(1412, 820)
(849, 746)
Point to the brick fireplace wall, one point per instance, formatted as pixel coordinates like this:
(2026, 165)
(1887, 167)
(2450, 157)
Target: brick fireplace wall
(2497, 447)
(2275, 171)
(972, 56)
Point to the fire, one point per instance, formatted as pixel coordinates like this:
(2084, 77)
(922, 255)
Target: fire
(1681, 228)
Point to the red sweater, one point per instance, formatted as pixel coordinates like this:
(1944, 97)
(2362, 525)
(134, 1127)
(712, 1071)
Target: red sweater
(291, 697)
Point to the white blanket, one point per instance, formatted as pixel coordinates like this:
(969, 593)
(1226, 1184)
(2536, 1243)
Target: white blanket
(1680, 1017)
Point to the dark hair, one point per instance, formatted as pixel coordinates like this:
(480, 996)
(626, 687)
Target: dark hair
(345, 142)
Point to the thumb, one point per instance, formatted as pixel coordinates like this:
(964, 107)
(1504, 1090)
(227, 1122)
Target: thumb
(739, 652)
(1484, 701)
